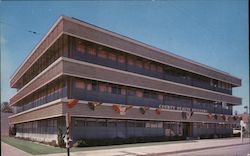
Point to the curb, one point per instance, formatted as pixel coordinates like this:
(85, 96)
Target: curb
(191, 150)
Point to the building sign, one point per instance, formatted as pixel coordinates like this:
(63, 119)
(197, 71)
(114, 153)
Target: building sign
(182, 108)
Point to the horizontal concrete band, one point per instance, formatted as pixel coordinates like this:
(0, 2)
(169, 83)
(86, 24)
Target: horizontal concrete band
(107, 111)
(66, 66)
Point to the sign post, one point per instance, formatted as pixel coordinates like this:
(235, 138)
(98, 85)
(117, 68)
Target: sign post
(71, 104)
(67, 133)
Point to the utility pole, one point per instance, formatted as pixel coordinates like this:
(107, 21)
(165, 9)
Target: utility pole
(241, 130)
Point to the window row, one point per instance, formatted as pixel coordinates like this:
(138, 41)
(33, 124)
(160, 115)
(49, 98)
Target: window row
(174, 74)
(91, 122)
(40, 127)
(164, 98)
(212, 125)
(54, 90)
(58, 49)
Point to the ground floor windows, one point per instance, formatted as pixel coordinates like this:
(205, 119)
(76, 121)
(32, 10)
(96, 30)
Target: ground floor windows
(94, 128)
(47, 126)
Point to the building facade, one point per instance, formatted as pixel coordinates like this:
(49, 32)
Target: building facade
(119, 88)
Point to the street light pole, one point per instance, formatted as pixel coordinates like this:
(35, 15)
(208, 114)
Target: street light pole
(241, 130)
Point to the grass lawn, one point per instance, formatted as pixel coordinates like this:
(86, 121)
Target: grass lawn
(31, 147)
(39, 149)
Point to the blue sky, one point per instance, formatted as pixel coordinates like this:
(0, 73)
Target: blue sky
(214, 33)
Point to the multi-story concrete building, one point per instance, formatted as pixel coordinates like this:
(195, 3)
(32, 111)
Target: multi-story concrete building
(120, 87)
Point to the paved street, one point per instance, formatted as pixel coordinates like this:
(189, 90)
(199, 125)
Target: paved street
(240, 150)
(173, 149)
(228, 147)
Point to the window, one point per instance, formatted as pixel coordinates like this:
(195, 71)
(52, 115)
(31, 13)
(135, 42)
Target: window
(94, 86)
(123, 91)
(223, 85)
(91, 50)
(139, 93)
(160, 97)
(79, 122)
(153, 67)
(111, 123)
(215, 83)
(160, 69)
(121, 58)
(147, 65)
(220, 84)
(131, 124)
(146, 94)
(109, 89)
(139, 124)
(102, 87)
(89, 86)
(102, 54)
(121, 123)
(224, 105)
(102, 122)
(79, 84)
(160, 125)
(153, 124)
(91, 122)
(150, 94)
(229, 87)
(211, 82)
(55, 123)
(131, 61)
(112, 56)
(50, 123)
(131, 92)
(80, 47)
(195, 125)
(116, 89)
(153, 95)
(147, 124)
(139, 63)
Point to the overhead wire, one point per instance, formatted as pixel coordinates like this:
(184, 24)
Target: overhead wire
(18, 28)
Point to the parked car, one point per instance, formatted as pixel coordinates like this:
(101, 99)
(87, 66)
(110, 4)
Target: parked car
(236, 131)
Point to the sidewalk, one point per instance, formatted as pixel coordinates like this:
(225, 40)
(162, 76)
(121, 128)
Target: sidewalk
(161, 149)
(8, 150)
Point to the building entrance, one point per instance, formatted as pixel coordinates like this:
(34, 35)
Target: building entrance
(187, 129)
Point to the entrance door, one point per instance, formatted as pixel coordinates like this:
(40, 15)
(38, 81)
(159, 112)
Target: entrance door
(187, 129)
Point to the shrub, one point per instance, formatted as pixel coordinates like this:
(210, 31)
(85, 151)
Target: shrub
(60, 138)
(80, 143)
(52, 143)
(12, 131)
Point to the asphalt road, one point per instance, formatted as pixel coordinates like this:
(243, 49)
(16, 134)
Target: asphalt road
(240, 150)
